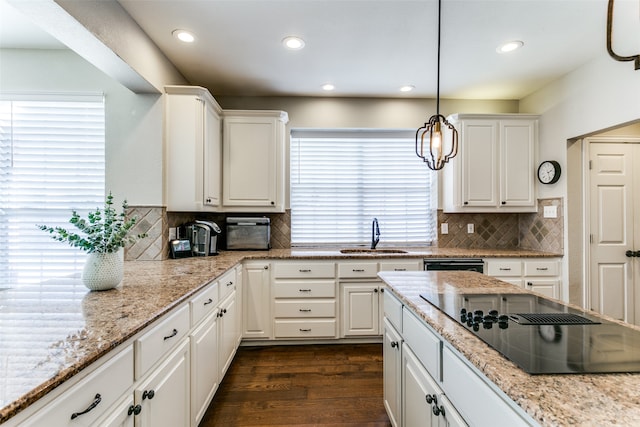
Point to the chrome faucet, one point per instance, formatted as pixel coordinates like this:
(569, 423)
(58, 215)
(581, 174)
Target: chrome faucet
(375, 233)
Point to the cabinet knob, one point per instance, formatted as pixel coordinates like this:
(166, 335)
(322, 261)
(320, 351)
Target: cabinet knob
(134, 410)
(466, 203)
(503, 202)
(273, 203)
(431, 398)
(394, 344)
(148, 394)
(375, 290)
(266, 267)
(438, 410)
(529, 284)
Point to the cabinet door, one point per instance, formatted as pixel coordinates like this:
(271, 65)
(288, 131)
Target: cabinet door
(417, 385)
(517, 185)
(256, 310)
(212, 140)
(480, 163)
(122, 416)
(164, 396)
(547, 287)
(204, 366)
(392, 373)
(228, 341)
(360, 309)
(250, 154)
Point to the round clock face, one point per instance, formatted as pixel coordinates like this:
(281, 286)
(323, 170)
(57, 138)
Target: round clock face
(549, 172)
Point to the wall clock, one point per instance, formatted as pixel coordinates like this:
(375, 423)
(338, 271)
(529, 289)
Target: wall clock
(549, 172)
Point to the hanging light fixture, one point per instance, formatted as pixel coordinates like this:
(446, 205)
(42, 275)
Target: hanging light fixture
(634, 58)
(437, 140)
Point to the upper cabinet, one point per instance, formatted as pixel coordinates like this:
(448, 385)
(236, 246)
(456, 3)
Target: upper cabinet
(193, 149)
(253, 153)
(494, 170)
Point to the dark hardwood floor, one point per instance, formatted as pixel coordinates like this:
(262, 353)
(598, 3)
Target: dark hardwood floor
(301, 385)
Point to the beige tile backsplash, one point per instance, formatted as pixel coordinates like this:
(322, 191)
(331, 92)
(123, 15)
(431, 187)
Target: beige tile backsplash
(501, 231)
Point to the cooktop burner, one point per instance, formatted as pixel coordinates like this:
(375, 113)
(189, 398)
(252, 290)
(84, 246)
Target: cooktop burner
(542, 336)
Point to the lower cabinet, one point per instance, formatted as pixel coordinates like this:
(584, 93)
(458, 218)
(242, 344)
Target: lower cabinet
(392, 372)
(204, 366)
(360, 308)
(540, 275)
(256, 301)
(164, 396)
(424, 403)
(229, 333)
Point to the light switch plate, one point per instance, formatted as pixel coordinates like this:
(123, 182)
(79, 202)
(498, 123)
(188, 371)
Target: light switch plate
(444, 228)
(172, 233)
(470, 228)
(550, 212)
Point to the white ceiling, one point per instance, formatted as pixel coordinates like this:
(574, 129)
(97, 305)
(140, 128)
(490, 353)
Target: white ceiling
(365, 47)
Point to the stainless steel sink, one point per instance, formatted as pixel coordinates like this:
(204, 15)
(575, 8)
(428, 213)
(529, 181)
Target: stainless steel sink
(372, 251)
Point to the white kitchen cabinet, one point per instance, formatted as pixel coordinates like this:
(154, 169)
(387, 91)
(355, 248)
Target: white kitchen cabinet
(122, 414)
(360, 308)
(494, 170)
(92, 397)
(254, 160)
(256, 309)
(392, 372)
(228, 332)
(540, 275)
(164, 395)
(304, 300)
(193, 149)
(204, 366)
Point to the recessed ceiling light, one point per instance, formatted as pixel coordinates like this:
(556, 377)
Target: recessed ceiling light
(510, 46)
(293, 43)
(183, 36)
(407, 88)
(328, 87)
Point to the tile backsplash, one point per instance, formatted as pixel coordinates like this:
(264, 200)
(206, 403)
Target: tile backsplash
(492, 230)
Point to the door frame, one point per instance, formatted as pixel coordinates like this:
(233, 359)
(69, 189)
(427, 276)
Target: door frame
(586, 207)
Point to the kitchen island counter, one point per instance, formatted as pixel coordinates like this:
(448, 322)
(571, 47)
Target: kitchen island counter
(551, 400)
(53, 330)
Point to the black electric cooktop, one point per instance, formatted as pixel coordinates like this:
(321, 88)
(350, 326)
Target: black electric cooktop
(542, 336)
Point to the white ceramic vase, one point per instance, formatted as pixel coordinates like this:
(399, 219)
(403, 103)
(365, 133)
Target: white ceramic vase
(103, 271)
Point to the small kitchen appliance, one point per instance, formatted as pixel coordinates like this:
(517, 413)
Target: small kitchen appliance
(248, 233)
(203, 236)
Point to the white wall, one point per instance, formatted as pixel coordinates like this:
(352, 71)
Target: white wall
(134, 122)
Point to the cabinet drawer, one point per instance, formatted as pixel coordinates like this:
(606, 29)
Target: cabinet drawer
(424, 343)
(227, 283)
(504, 268)
(305, 328)
(305, 289)
(311, 308)
(358, 270)
(204, 303)
(110, 381)
(295, 270)
(408, 265)
(160, 339)
(541, 268)
(393, 310)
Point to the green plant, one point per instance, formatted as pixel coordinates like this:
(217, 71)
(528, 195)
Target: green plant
(103, 231)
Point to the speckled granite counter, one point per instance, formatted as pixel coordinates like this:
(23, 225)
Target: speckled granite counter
(552, 400)
(53, 330)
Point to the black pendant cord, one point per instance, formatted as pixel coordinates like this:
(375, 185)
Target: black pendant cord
(438, 73)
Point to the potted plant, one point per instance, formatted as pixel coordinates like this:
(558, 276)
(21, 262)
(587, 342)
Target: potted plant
(103, 235)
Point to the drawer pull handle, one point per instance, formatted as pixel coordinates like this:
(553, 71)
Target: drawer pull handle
(209, 301)
(358, 270)
(148, 394)
(542, 268)
(173, 334)
(229, 284)
(95, 403)
(305, 270)
(304, 290)
(305, 310)
(135, 410)
(399, 269)
(305, 330)
(505, 268)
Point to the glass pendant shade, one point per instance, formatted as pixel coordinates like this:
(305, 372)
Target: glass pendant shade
(437, 142)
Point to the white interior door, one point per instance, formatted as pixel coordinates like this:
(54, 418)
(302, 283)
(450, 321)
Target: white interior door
(613, 212)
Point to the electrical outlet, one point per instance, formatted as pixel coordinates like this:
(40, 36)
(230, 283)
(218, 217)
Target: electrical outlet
(172, 233)
(550, 212)
(470, 228)
(444, 228)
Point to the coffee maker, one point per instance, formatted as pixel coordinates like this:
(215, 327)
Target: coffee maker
(203, 236)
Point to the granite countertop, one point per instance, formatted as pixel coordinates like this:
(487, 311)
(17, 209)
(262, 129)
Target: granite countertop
(552, 400)
(52, 330)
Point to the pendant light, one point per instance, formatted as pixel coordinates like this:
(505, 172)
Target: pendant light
(437, 140)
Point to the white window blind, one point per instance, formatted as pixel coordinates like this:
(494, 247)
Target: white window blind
(342, 179)
(52, 161)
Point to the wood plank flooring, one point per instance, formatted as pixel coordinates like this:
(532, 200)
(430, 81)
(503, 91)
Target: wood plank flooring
(301, 385)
